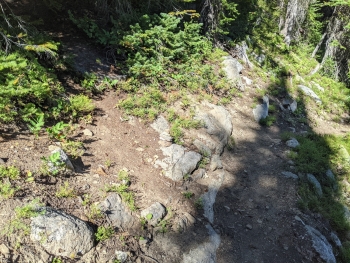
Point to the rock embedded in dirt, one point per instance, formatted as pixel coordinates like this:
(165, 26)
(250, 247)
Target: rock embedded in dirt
(4, 250)
(247, 80)
(290, 104)
(261, 111)
(318, 188)
(121, 256)
(183, 222)
(289, 175)
(87, 132)
(309, 92)
(63, 158)
(292, 143)
(156, 212)
(205, 252)
(117, 213)
(233, 68)
(198, 174)
(321, 245)
(185, 166)
(161, 125)
(215, 162)
(61, 234)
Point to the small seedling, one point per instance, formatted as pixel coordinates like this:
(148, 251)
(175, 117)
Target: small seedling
(199, 203)
(149, 216)
(104, 233)
(65, 191)
(35, 125)
(187, 195)
(57, 131)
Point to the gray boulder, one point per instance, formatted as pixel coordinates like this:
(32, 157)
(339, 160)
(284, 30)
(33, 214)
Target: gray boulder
(232, 68)
(217, 124)
(261, 111)
(318, 188)
(309, 92)
(321, 245)
(186, 165)
(117, 214)
(292, 143)
(157, 210)
(330, 175)
(61, 234)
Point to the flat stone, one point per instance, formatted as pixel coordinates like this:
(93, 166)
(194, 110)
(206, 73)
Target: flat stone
(87, 132)
(289, 175)
(249, 226)
(157, 210)
(309, 92)
(293, 143)
(312, 179)
(61, 234)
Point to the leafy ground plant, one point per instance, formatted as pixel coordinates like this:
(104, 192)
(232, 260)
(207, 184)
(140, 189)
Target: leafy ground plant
(104, 233)
(65, 191)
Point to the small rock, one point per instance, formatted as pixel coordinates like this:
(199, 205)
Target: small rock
(139, 149)
(249, 226)
(293, 143)
(335, 239)
(330, 175)
(285, 247)
(101, 171)
(63, 158)
(143, 242)
(312, 179)
(157, 210)
(289, 175)
(309, 92)
(261, 111)
(2, 161)
(215, 162)
(259, 221)
(87, 132)
(4, 249)
(247, 80)
(160, 124)
(227, 208)
(121, 256)
(53, 148)
(198, 174)
(165, 136)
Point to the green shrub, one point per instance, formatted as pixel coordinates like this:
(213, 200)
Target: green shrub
(81, 104)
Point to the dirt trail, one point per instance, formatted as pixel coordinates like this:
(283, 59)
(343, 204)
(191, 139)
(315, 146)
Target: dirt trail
(255, 209)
